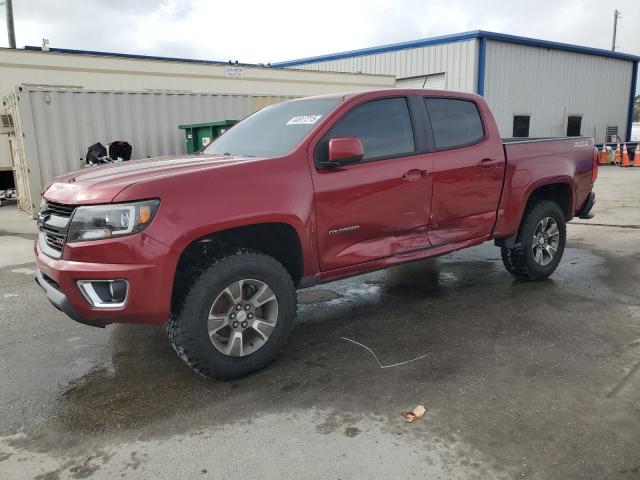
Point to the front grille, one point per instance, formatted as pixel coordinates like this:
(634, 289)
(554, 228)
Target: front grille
(60, 209)
(54, 240)
(53, 221)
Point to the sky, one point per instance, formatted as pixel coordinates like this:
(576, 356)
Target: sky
(276, 30)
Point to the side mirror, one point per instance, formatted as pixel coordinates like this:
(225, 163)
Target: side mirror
(345, 151)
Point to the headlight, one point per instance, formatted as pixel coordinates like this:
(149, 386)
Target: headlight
(96, 222)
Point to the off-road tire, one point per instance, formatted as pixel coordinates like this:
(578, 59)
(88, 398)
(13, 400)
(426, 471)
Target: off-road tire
(188, 331)
(519, 260)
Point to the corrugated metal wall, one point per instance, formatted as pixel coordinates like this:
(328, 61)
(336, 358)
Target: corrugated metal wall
(56, 126)
(104, 72)
(458, 60)
(551, 84)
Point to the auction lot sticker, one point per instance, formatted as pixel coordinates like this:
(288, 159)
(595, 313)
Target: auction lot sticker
(304, 120)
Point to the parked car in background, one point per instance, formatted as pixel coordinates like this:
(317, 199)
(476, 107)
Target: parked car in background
(303, 192)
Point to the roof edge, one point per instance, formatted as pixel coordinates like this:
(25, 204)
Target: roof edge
(136, 56)
(534, 42)
(456, 37)
(459, 37)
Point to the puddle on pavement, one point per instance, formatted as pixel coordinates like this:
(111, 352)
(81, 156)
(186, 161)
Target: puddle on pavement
(432, 276)
(316, 295)
(144, 388)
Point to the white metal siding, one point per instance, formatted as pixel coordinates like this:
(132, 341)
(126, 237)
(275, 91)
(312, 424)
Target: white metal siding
(103, 72)
(551, 84)
(437, 81)
(54, 127)
(458, 60)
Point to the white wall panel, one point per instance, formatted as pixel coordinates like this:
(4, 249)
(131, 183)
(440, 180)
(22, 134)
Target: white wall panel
(457, 60)
(550, 84)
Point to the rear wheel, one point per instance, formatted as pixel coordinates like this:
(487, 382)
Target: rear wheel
(540, 242)
(236, 316)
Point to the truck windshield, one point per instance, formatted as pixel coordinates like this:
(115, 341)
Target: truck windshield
(273, 131)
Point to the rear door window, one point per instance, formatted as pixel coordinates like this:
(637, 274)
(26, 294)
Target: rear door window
(383, 126)
(455, 123)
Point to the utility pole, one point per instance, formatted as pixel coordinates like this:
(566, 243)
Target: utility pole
(616, 16)
(11, 32)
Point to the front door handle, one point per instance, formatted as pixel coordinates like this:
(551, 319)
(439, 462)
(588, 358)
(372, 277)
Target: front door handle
(487, 162)
(414, 175)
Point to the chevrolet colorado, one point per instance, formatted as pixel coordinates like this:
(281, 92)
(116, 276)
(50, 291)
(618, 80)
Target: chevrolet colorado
(303, 192)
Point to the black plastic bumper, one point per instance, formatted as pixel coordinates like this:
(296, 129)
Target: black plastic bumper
(588, 205)
(61, 302)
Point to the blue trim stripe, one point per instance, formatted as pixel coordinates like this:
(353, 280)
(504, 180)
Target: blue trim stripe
(137, 57)
(557, 46)
(632, 96)
(459, 37)
(482, 54)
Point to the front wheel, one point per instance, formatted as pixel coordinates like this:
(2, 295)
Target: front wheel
(236, 316)
(540, 242)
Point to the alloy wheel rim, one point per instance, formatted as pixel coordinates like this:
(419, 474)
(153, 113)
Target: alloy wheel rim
(242, 317)
(546, 239)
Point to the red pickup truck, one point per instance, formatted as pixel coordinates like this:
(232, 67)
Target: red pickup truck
(303, 192)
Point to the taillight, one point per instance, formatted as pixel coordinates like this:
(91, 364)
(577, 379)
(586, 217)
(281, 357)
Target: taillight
(594, 172)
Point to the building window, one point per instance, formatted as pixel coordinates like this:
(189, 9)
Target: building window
(521, 125)
(612, 134)
(574, 123)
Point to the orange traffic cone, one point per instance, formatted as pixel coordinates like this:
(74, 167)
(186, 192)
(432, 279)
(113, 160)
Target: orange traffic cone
(636, 156)
(603, 156)
(618, 154)
(625, 157)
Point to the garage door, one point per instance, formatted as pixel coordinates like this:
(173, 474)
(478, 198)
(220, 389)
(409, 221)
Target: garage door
(436, 81)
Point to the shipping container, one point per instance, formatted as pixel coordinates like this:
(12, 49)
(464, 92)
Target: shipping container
(53, 127)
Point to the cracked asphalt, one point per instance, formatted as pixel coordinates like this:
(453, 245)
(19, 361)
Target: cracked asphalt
(534, 380)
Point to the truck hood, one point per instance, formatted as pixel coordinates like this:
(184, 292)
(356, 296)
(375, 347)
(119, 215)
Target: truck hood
(101, 184)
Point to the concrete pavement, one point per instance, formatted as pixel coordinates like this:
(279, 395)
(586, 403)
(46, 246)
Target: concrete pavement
(536, 380)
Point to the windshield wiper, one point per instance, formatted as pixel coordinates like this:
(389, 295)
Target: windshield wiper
(227, 154)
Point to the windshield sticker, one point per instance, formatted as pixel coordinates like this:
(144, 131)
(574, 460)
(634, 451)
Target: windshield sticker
(304, 120)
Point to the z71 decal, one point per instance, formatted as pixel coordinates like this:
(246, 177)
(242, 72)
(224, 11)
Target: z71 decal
(344, 230)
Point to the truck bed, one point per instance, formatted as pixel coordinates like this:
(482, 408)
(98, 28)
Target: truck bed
(533, 161)
(539, 139)
(561, 155)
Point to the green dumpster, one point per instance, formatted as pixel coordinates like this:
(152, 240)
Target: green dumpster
(198, 135)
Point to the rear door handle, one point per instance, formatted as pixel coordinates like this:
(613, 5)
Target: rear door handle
(414, 175)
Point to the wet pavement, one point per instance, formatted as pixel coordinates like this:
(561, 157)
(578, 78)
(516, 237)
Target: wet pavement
(536, 380)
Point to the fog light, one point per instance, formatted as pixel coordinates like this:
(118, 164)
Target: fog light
(118, 290)
(104, 293)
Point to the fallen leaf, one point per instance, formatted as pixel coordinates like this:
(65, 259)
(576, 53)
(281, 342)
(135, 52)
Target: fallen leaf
(415, 414)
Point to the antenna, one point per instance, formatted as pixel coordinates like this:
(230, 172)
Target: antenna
(616, 16)
(11, 32)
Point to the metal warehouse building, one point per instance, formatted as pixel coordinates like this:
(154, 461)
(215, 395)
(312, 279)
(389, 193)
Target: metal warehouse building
(535, 88)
